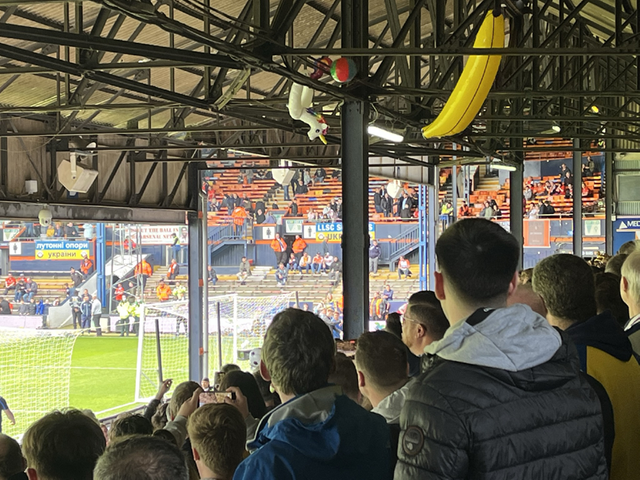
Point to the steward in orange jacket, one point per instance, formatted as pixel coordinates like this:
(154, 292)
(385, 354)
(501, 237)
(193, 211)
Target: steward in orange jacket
(279, 247)
(174, 270)
(143, 268)
(86, 266)
(298, 248)
(299, 245)
(163, 291)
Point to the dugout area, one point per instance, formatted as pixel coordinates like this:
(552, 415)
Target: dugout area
(155, 99)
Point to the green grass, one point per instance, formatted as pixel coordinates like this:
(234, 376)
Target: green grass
(103, 372)
(102, 376)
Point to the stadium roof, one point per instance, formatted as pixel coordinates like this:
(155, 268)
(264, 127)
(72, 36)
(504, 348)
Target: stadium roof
(187, 71)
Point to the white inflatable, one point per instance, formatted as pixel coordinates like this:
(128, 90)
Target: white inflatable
(300, 102)
(395, 189)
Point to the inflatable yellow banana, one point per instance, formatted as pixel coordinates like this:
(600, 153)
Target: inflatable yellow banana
(474, 83)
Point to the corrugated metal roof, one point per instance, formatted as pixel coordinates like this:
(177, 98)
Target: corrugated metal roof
(41, 90)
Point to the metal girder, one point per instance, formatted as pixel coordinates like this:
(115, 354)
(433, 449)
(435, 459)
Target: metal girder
(103, 77)
(394, 24)
(105, 213)
(464, 51)
(562, 69)
(215, 91)
(284, 18)
(137, 131)
(91, 42)
(383, 70)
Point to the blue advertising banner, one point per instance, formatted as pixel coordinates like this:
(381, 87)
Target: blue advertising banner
(332, 232)
(61, 250)
(625, 230)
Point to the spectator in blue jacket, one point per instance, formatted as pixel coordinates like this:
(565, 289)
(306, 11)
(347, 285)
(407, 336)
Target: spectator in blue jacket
(387, 293)
(281, 275)
(85, 311)
(374, 256)
(318, 432)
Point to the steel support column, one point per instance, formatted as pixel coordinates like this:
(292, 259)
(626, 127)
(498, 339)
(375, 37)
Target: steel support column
(101, 255)
(454, 186)
(515, 195)
(432, 225)
(422, 245)
(355, 241)
(196, 223)
(4, 160)
(577, 198)
(204, 263)
(608, 200)
(355, 180)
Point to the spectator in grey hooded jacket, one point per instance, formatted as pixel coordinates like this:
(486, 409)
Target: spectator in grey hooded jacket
(498, 392)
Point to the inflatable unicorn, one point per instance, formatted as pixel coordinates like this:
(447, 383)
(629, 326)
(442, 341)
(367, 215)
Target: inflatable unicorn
(300, 101)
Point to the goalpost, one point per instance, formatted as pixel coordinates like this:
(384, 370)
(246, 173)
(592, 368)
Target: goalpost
(35, 372)
(243, 322)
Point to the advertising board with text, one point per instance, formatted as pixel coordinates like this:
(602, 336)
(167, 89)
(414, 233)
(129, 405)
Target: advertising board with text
(332, 232)
(61, 250)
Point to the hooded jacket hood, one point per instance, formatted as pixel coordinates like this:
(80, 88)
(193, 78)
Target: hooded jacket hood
(512, 339)
(391, 406)
(323, 425)
(604, 333)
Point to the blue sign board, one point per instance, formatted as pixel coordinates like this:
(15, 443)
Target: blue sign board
(329, 227)
(625, 230)
(337, 227)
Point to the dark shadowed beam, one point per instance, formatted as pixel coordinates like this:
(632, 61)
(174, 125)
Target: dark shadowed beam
(385, 67)
(98, 45)
(103, 77)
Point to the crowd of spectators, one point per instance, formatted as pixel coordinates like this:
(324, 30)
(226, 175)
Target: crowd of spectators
(494, 374)
(403, 206)
(25, 300)
(57, 230)
(380, 304)
(539, 196)
(241, 209)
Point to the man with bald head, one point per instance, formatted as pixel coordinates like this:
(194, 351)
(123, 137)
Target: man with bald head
(12, 463)
(630, 292)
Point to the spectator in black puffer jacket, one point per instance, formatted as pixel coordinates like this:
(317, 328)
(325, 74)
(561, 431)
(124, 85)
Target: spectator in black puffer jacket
(501, 395)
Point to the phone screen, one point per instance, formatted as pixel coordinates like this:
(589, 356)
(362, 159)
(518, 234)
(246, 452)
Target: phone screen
(214, 397)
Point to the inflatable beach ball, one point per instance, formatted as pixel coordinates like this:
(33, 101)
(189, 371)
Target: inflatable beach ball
(343, 70)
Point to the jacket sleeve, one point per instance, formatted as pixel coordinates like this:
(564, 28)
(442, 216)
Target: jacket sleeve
(434, 442)
(151, 408)
(178, 427)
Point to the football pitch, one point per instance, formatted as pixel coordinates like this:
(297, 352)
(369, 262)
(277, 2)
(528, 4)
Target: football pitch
(34, 379)
(103, 373)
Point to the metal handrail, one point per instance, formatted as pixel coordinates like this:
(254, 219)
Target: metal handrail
(221, 233)
(402, 244)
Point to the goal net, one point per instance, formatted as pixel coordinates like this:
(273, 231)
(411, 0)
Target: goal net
(243, 322)
(35, 371)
